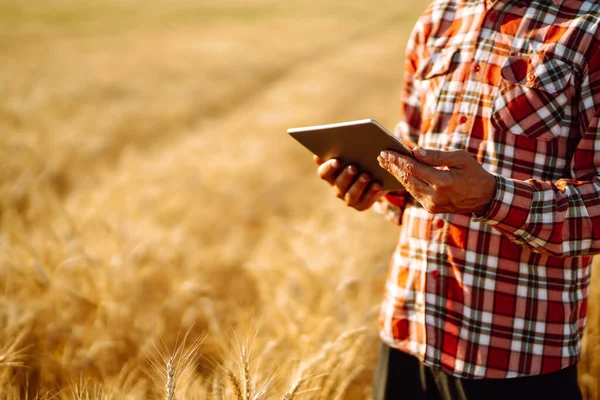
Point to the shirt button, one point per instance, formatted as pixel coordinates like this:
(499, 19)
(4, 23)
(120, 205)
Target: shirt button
(477, 68)
(435, 274)
(531, 78)
(439, 223)
(463, 119)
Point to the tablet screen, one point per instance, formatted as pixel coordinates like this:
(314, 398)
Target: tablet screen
(355, 142)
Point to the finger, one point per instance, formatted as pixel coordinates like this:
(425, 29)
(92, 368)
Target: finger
(329, 170)
(404, 174)
(400, 166)
(440, 158)
(344, 180)
(369, 197)
(418, 189)
(317, 160)
(355, 191)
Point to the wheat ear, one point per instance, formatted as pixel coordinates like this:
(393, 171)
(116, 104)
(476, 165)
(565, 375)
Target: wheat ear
(294, 389)
(170, 386)
(246, 371)
(217, 388)
(235, 384)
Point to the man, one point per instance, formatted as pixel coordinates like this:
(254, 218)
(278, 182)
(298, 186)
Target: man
(486, 296)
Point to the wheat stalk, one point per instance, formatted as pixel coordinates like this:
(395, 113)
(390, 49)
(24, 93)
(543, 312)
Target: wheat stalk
(247, 383)
(176, 366)
(263, 390)
(343, 362)
(327, 348)
(217, 388)
(235, 384)
(15, 354)
(170, 386)
(329, 381)
(294, 389)
(266, 353)
(346, 382)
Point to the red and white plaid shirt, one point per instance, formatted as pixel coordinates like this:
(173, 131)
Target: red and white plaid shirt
(516, 84)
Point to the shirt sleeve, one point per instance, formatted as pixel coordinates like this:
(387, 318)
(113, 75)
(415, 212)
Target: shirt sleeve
(409, 127)
(392, 205)
(560, 218)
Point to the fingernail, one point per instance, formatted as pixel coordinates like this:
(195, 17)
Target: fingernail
(422, 152)
(351, 170)
(384, 154)
(376, 188)
(364, 178)
(336, 164)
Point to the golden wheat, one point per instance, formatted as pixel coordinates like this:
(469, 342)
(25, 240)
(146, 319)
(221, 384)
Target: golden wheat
(147, 187)
(235, 384)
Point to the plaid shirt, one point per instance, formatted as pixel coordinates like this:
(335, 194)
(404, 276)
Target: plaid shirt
(517, 84)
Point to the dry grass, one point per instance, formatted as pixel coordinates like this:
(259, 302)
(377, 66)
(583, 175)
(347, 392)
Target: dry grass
(147, 186)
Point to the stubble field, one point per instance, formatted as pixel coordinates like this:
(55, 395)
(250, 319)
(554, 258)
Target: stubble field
(151, 201)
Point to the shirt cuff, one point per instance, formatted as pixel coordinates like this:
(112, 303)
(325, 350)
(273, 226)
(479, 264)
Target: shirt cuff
(397, 198)
(392, 205)
(510, 207)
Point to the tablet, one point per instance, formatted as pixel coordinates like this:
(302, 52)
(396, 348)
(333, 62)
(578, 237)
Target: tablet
(355, 142)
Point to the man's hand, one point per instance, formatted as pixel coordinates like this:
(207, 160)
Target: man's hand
(443, 181)
(356, 189)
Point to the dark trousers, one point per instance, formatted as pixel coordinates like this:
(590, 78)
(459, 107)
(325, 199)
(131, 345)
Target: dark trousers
(399, 376)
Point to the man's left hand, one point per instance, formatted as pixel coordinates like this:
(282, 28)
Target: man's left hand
(443, 181)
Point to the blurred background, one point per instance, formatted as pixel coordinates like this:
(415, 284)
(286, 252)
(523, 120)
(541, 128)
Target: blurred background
(161, 235)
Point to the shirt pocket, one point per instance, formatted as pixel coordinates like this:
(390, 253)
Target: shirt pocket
(432, 76)
(532, 97)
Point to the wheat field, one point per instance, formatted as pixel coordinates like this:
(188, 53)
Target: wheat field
(161, 235)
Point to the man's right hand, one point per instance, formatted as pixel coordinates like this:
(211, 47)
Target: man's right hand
(356, 188)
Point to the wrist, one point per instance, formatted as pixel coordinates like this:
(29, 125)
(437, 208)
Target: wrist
(489, 194)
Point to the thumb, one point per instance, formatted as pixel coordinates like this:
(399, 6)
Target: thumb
(436, 158)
